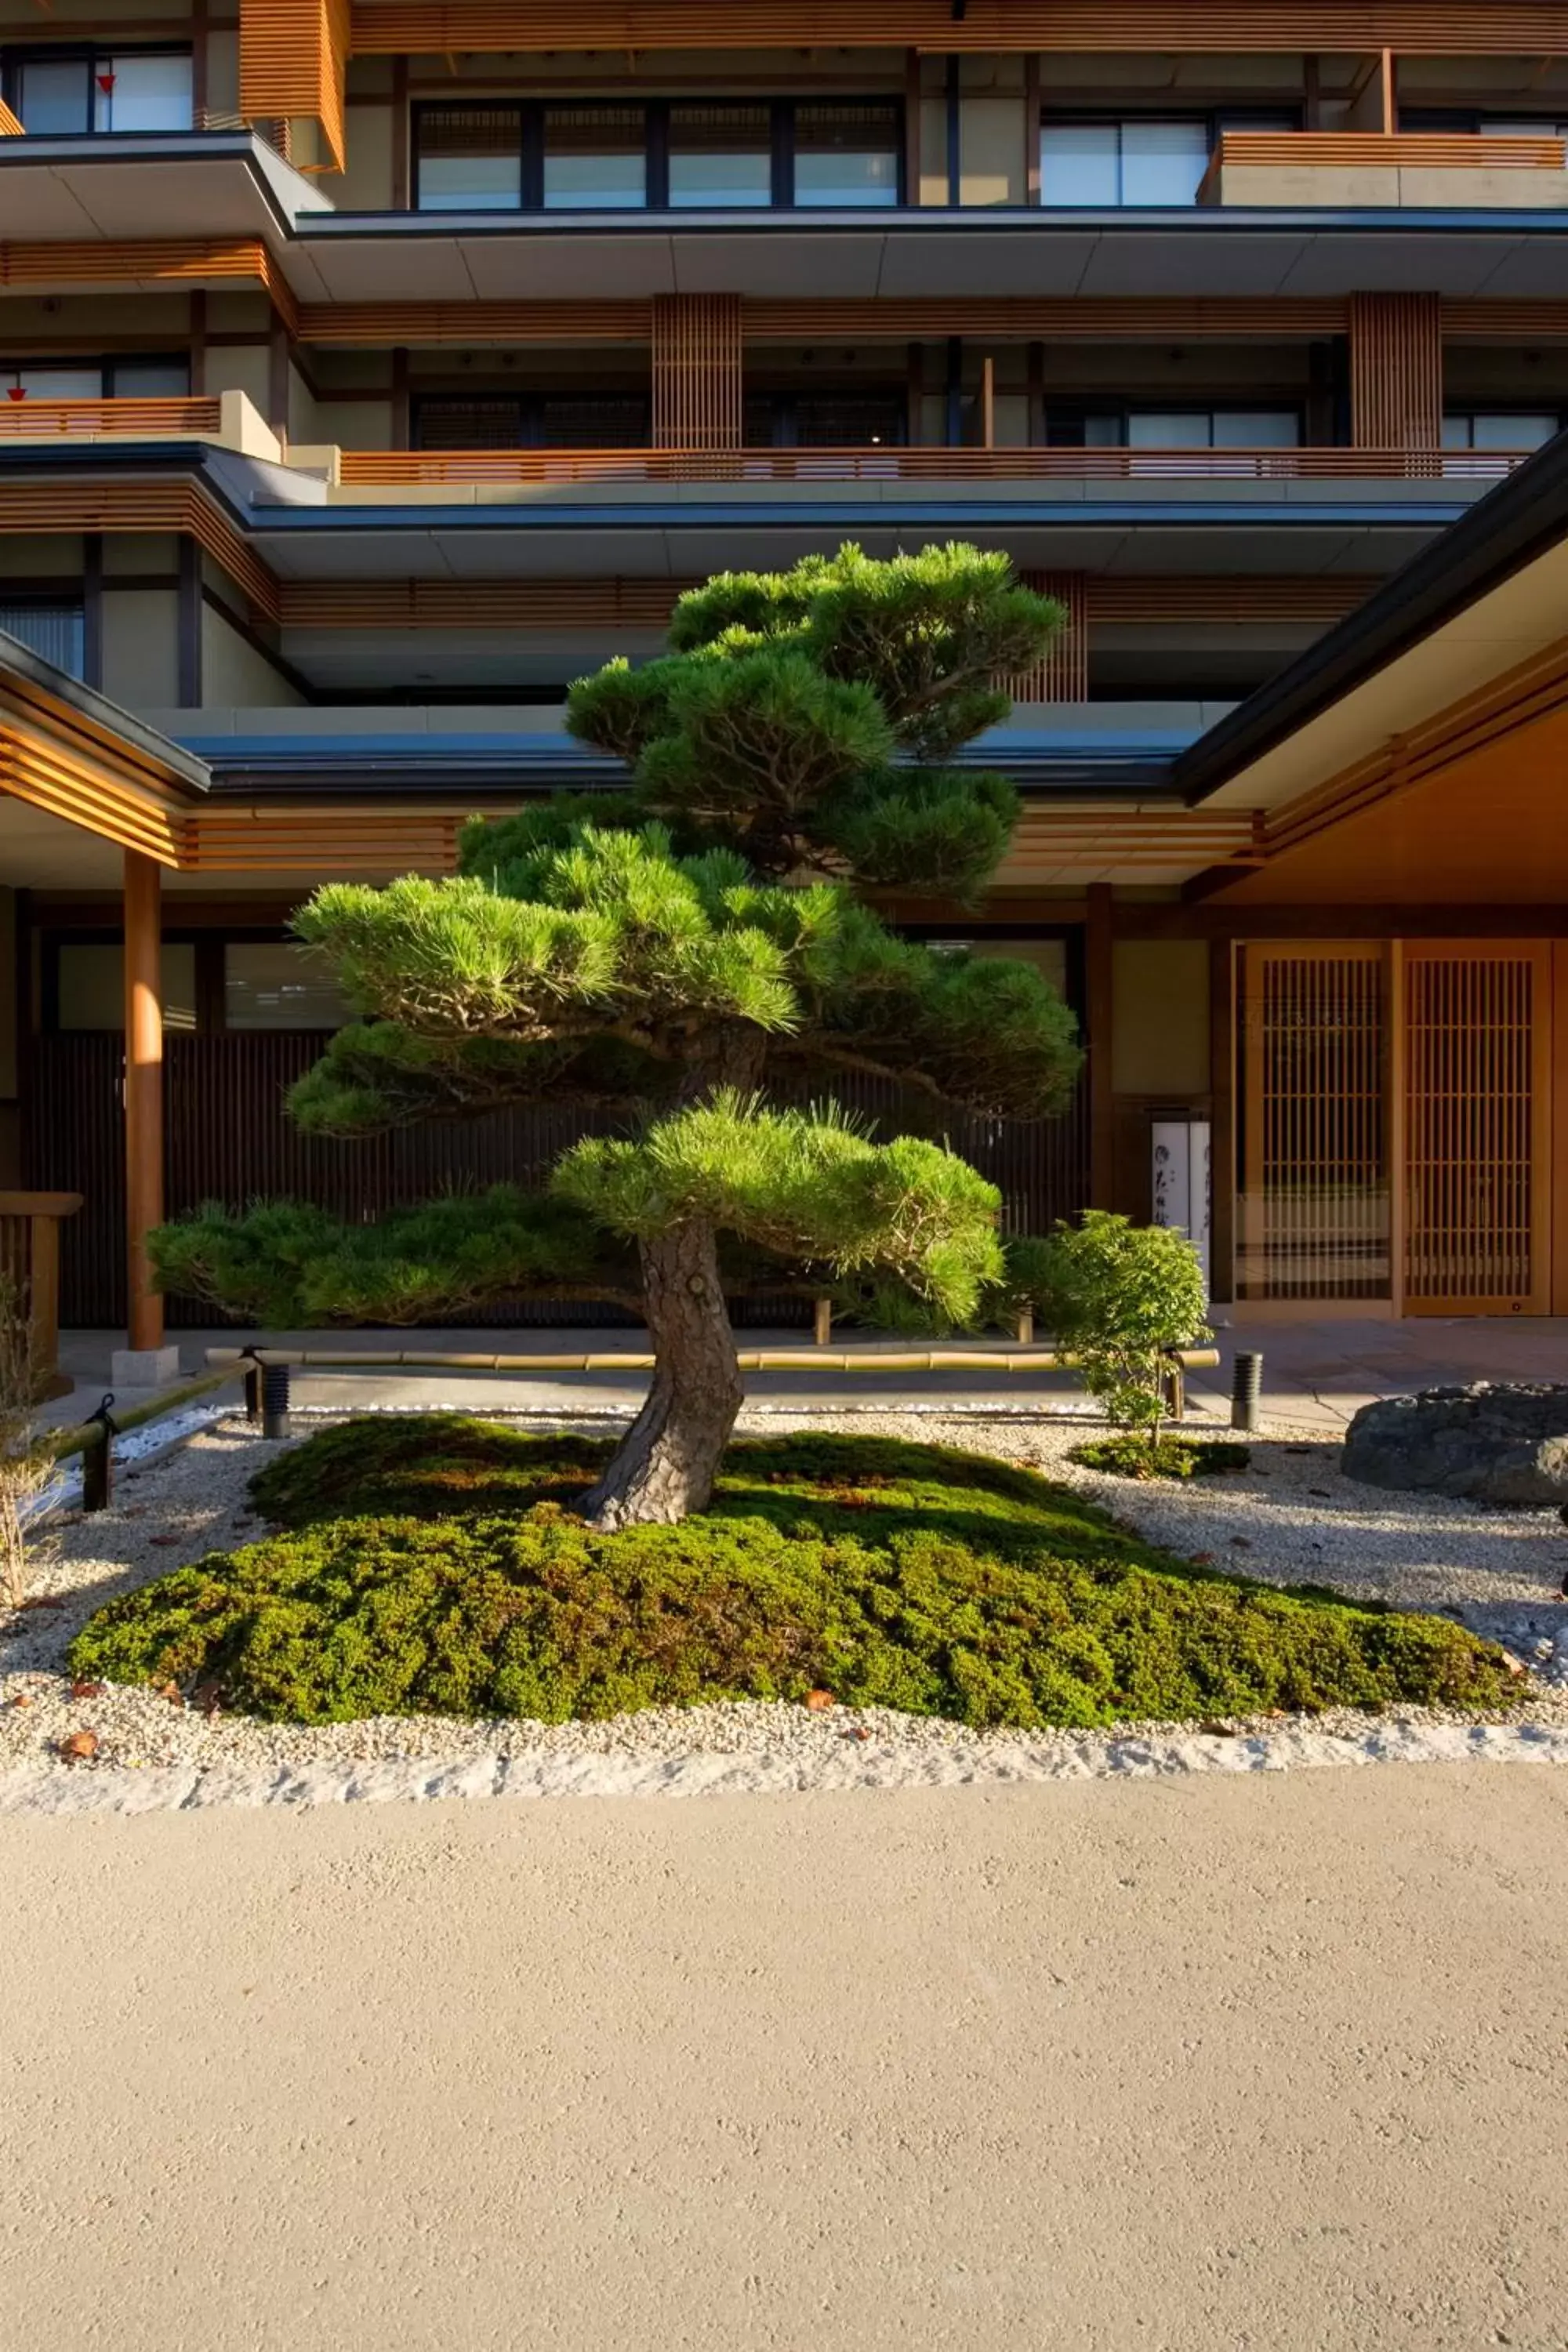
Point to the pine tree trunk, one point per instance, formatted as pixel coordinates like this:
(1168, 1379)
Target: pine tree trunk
(666, 1465)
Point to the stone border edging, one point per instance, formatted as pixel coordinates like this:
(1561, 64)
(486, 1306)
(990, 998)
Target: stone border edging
(62, 1788)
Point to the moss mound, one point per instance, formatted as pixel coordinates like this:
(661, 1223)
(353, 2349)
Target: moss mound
(1131, 1456)
(899, 1575)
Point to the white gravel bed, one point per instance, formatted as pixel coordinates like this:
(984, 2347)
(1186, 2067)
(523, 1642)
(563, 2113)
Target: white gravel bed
(1290, 1518)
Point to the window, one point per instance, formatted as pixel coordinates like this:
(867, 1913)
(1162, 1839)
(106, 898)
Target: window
(107, 379)
(745, 154)
(469, 158)
(89, 984)
(70, 94)
(1501, 429)
(846, 155)
(278, 984)
(826, 419)
(1465, 119)
(1113, 163)
(54, 628)
(720, 155)
(594, 158)
(1174, 429)
(531, 421)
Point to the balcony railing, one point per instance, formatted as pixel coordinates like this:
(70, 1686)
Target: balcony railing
(141, 420)
(1341, 152)
(524, 469)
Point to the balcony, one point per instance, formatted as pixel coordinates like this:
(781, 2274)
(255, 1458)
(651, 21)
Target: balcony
(1386, 170)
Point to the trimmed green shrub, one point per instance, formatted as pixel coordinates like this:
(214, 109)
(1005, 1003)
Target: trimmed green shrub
(1129, 1456)
(892, 1574)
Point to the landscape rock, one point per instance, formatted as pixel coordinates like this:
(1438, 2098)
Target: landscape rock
(1492, 1442)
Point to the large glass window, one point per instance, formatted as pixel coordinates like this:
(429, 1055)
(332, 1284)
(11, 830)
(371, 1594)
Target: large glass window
(594, 157)
(720, 155)
(54, 628)
(1502, 429)
(91, 986)
(846, 155)
(1132, 163)
(69, 95)
(1172, 428)
(107, 379)
(746, 153)
(527, 420)
(469, 158)
(278, 984)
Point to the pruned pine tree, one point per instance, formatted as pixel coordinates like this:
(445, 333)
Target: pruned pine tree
(696, 957)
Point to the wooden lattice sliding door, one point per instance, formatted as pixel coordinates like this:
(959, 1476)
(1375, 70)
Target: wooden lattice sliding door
(1313, 1213)
(1395, 1124)
(1477, 1116)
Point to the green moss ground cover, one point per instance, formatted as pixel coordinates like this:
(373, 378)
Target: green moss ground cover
(1129, 1454)
(432, 1565)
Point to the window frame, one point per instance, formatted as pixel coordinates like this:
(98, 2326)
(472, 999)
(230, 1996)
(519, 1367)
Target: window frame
(531, 113)
(107, 365)
(70, 598)
(17, 55)
(1120, 412)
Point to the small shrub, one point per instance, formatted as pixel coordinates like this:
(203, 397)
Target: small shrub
(1130, 1456)
(27, 1461)
(892, 1574)
(1122, 1296)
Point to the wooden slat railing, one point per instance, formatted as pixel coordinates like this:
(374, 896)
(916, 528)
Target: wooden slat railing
(393, 468)
(30, 1261)
(1396, 150)
(33, 420)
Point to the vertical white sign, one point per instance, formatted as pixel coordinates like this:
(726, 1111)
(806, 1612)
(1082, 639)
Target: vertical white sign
(1182, 1181)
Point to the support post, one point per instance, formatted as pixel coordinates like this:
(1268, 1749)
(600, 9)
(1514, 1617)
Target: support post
(146, 1362)
(1097, 958)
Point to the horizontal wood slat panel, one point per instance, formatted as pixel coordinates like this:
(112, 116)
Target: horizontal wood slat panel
(1095, 318)
(62, 780)
(10, 124)
(1090, 837)
(375, 324)
(477, 603)
(1403, 151)
(1439, 27)
(152, 262)
(292, 54)
(71, 419)
(647, 604)
(304, 841)
(392, 468)
(140, 507)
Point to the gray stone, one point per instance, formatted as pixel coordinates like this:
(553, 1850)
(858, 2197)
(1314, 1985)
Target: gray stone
(144, 1367)
(1493, 1442)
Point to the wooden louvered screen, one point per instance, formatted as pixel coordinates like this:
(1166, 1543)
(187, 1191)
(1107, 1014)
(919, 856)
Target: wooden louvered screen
(228, 1137)
(1397, 371)
(1313, 1207)
(292, 63)
(1418, 27)
(697, 381)
(1477, 1116)
(1062, 675)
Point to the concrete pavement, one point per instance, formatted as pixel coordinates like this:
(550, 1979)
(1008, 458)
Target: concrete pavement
(1224, 2066)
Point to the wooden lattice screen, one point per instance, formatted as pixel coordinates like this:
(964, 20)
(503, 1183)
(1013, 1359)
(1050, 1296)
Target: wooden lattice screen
(1476, 1126)
(1397, 371)
(697, 374)
(1314, 1207)
(1062, 674)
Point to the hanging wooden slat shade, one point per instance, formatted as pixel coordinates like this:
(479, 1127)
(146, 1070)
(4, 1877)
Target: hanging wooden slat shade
(1397, 371)
(697, 385)
(292, 57)
(1418, 27)
(1061, 675)
(135, 506)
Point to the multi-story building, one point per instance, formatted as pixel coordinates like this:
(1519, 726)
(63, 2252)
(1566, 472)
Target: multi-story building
(368, 371)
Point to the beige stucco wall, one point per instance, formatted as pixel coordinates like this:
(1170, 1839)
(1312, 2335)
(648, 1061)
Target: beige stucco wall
(234, 672)
(29, 556)
(1160, 1017)
(1346, 186)
(366, 185)
(141, 646)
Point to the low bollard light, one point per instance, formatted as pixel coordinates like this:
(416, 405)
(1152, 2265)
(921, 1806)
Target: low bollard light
(275, 1401)
(1245, 1392)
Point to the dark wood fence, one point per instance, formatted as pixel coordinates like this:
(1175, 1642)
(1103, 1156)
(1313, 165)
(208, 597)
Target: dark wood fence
(229, 1139)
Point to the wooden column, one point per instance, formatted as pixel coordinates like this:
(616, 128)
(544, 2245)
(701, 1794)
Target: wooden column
(1097, 1007)
(1222, 1127)
(1061, 675)
(1397, 371)
(696, 396)
(143, 1092)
